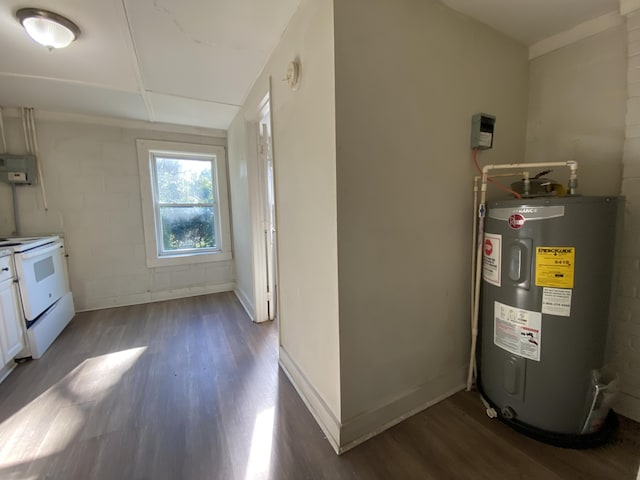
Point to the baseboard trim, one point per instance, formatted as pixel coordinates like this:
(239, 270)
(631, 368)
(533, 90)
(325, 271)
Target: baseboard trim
(345, 436)
(364, 426)
(244, 301)
(151, 297)
(628, 406)
(325, 418)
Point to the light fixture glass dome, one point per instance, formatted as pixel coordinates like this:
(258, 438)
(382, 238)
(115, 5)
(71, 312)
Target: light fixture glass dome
(48, 28)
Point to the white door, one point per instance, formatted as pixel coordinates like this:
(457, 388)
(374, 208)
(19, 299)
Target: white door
(266, 177)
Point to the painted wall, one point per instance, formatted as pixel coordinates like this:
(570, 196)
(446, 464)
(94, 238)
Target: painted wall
(577, 98)
(305, 179)
(239, 161)
(93, 189)
(625, 345)
(409, 76)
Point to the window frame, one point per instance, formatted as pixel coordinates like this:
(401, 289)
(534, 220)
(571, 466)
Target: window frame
(155, 256)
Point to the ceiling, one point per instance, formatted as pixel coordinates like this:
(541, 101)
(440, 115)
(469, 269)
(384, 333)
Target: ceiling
(192, 62)
(188, 62)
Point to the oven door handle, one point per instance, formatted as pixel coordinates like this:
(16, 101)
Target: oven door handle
(38, 252)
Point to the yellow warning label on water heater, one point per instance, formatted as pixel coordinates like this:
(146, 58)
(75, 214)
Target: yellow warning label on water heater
(555, 266)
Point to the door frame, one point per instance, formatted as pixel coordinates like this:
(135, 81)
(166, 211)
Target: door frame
(257, 205)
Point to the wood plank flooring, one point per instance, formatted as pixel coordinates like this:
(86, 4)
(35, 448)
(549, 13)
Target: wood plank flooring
(190, 389)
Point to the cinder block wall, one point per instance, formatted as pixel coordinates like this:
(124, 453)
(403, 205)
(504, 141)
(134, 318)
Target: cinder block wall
(626, 338)
(93, 190)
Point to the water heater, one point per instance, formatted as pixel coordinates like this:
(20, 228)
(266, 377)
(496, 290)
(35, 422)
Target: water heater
(547, 275)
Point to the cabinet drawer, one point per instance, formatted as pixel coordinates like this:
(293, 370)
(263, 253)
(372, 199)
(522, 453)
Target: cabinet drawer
(6, 268)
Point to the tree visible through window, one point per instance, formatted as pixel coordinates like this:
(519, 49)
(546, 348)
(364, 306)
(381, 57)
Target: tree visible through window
(185, 203)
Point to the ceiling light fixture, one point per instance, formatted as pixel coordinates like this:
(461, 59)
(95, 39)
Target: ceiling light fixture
(48, 28)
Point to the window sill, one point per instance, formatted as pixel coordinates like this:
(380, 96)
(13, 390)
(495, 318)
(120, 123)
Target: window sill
(188, 259)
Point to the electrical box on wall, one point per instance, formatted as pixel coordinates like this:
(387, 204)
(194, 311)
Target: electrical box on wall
(18, 169)
(482, 125)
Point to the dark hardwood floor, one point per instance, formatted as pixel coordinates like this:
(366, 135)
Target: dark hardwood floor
(190, 389)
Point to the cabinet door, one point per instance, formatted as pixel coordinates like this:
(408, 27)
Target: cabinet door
(11, 336)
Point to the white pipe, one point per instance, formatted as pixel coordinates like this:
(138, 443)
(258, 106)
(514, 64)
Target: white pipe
(473, 242)
(478, 276)
(4, 139)
(505, 166)
(34, 138)
(27, 143)
(16, 218)
(573, 182)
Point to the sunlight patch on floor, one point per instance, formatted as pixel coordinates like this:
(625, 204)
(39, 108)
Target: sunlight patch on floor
(54, 418)
(261, 440)
(94, 378)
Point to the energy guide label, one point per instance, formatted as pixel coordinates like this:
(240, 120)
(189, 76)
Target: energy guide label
(555, 266)
(517, 331)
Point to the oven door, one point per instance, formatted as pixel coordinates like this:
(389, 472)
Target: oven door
(41, 277)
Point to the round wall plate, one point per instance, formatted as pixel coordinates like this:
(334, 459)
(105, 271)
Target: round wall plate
(293, 74)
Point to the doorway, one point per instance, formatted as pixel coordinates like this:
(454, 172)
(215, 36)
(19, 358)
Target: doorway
(266, 180)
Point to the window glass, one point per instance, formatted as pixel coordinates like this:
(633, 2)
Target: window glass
(184, 180)
(187, 228)
(184, 203)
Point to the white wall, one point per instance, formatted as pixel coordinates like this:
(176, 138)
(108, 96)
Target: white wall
(577, 98)
(241, 213)
(93, 189)
(409, 76)
(625, 349)
(305, 180)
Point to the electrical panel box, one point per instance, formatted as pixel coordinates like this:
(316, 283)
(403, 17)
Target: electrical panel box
(18, 169)
(482, 125)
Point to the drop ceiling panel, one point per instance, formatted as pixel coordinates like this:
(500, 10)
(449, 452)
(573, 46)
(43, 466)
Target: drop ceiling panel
(56, 96)
(530, 21)
(185, 111)
(195, 60)
(206, 49)
(101, 55)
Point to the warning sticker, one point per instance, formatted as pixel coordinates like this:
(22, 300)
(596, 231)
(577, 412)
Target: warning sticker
(554, 266)
(492, 255)
(517, 331)
(556, 301)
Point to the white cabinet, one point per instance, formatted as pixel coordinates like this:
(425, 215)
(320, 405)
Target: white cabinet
(11, 331)
(11, 338)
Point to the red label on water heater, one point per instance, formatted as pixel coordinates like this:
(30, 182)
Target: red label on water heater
(516, 221)
(488, 247)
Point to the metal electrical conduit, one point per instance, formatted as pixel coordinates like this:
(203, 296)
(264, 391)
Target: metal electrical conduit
(479, 233)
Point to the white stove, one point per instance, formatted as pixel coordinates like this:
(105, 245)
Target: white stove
(43, 284)
(22, 244)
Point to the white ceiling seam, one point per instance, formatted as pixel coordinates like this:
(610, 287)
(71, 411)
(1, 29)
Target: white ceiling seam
(68, 81)
(128, 36)
(83, 119)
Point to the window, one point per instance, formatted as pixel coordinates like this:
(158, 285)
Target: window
(184, 202)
